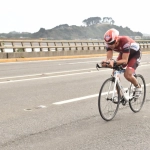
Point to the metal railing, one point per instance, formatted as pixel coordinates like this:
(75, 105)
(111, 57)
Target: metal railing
(48, 48)
(57, 45)
(49, 45)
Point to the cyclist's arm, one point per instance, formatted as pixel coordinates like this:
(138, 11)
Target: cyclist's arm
(124, 59)
(109, 55)
(125, 55)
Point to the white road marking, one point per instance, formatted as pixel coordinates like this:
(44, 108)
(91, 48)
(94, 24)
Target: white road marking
(82, 62)
(75, 99)
(69, 74)
(144, 64)
(46, 73)
(82, 98)
(41, 106)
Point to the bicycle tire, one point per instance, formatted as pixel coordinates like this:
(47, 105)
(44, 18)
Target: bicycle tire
(140, 101)
(102, 93)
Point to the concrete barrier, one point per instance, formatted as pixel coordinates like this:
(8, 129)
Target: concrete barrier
(48, 48)
(50, 53)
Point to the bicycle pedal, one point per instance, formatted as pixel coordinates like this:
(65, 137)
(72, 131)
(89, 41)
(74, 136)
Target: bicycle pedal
(123, 102)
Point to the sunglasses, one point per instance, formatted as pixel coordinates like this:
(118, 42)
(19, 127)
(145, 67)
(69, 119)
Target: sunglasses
(112, 42)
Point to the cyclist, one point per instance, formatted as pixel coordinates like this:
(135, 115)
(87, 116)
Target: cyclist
(129, 55)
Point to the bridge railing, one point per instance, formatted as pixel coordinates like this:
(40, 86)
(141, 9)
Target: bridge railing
(55, 47)
(49, 45)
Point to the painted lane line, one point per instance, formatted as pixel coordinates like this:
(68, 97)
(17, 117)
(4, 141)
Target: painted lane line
(79, 99)
(83, 98)
(11, 81)
(97, 62)
(82, 62)
(144, 65)
(58, 72)
(75, 99)
(46, 73)
(148, 84)
(70, 74)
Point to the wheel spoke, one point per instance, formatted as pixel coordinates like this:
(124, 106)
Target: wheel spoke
(136, 104)
(107, 107)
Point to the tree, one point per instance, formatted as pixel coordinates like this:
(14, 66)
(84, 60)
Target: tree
(86, 22)
(112, 22)
(108, 20)
(92, 20)
(105, 20)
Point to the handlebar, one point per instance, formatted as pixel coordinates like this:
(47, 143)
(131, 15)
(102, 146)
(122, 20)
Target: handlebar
(117, 67)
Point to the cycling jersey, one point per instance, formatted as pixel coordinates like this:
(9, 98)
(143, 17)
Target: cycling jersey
(127, 45)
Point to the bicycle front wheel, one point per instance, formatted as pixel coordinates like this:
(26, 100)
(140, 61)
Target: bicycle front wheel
(137, 103)
(107, 103)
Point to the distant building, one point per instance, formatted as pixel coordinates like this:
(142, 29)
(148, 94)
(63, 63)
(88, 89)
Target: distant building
(137, 37)
(14, 32)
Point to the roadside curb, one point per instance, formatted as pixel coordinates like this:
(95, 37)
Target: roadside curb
(50, 58)
(57, 57)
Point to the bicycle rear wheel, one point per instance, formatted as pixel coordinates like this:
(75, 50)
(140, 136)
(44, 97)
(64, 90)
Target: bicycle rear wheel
(107, 105)
(136, 104)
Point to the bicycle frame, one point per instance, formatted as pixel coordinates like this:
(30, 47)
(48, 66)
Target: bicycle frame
(124, 92)
(112, 94)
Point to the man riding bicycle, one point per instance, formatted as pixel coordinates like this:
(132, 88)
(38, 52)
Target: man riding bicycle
(129, 55)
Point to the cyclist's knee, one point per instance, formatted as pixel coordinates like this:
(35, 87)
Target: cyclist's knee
(128, 74)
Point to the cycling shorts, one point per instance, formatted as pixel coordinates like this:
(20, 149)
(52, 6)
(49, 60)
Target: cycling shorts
(133, 61)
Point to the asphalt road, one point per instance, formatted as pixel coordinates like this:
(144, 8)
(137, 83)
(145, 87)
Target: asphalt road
(52, 105)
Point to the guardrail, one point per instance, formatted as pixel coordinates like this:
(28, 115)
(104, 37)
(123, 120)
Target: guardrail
(55, 46)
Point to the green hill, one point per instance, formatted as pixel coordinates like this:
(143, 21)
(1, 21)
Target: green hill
(66, 32)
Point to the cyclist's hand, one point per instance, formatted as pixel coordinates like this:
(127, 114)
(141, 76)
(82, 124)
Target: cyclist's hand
(108, 64)
(111, 63)
(104, 63)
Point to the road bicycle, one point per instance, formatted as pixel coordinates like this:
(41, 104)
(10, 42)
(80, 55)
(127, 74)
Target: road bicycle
(112, 94)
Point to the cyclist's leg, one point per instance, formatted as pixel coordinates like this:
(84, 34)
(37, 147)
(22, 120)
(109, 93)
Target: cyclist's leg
(129, 73)
(132, 64)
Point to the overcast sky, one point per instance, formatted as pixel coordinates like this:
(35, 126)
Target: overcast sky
(31, 15)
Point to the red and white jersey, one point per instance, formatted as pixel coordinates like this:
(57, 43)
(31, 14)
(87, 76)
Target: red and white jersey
(126, 45)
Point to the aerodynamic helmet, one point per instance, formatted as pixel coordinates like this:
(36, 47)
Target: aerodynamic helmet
(111, 36)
